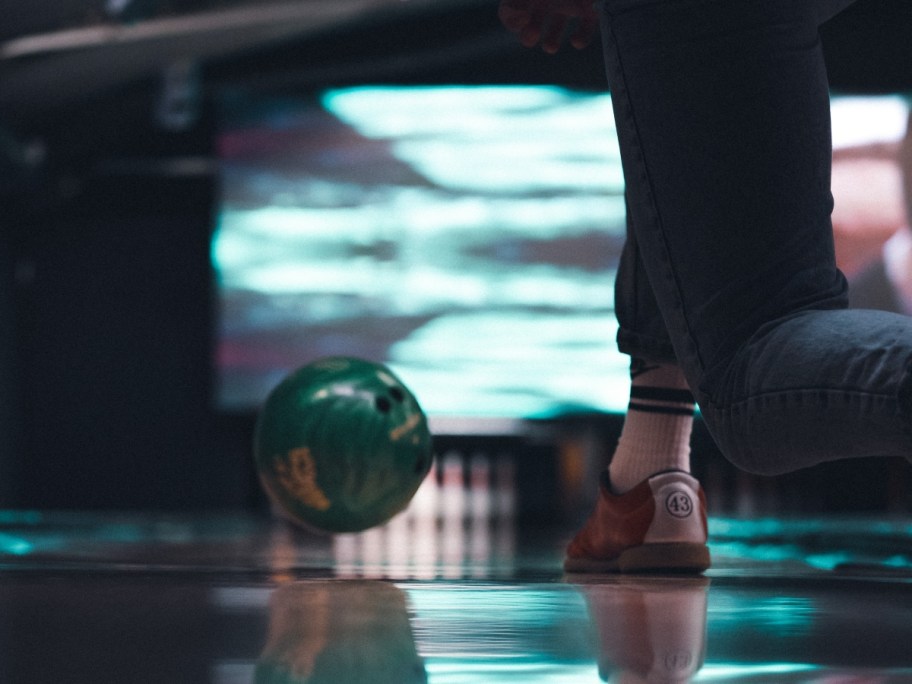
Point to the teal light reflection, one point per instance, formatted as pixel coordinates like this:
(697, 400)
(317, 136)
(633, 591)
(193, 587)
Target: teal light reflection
(515, 138)
(14, 546)
(473, 672)
(742, 671)
(824, 543)
(20, 517)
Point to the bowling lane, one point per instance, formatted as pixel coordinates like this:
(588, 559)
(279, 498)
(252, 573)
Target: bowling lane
(231, 599)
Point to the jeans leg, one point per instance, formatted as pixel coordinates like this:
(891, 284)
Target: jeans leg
(827, 9)
(722, 109)
(641, 329)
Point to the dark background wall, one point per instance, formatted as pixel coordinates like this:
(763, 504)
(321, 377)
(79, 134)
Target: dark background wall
(110, 301)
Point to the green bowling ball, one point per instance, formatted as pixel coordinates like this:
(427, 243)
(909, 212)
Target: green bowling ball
(342, 445)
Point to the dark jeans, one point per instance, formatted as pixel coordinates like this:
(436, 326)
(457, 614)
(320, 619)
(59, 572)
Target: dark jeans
(722, 110)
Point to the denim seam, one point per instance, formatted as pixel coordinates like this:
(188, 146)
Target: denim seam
(741, 403)
(637, 344)
(639, 163)
(902, 399)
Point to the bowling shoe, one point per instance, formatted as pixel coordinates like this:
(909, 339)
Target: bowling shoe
(659, 525)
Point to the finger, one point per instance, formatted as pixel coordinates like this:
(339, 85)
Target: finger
(513, 18)
(530, 34)
(584, 32)
(553, 34)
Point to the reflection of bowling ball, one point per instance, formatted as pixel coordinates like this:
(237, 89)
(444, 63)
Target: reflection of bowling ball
(339, 632)
(341, 445)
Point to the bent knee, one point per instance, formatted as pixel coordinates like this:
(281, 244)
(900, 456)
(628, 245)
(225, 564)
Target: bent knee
(757, 444)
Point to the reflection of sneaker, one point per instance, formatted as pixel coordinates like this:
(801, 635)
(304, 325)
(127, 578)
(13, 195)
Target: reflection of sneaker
(658, 525)
(650, 630)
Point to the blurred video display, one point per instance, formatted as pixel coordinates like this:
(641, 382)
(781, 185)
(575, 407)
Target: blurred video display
(467, 236)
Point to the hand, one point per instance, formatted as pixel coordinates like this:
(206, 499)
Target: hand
(548, 22)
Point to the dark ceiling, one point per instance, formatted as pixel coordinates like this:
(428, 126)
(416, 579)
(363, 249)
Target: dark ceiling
(52, 51)
(60, 60)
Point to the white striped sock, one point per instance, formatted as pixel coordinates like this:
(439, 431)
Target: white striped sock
(657, 428)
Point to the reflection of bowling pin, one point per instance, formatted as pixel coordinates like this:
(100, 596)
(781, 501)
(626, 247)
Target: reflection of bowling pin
(339, 631)
(479, 515)
(505, 493)
(398, 545)
(373, 548)
(423, 545)
(282, 551)
(406, 546)
(346, 556)
(504, 508)
(651, 630)
(445, 525)
(452, 510)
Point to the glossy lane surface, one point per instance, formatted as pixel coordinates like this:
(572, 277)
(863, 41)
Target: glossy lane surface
(239, 599)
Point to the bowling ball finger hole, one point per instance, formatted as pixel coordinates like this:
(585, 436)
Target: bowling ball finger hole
(382, 404)
(397, 394)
